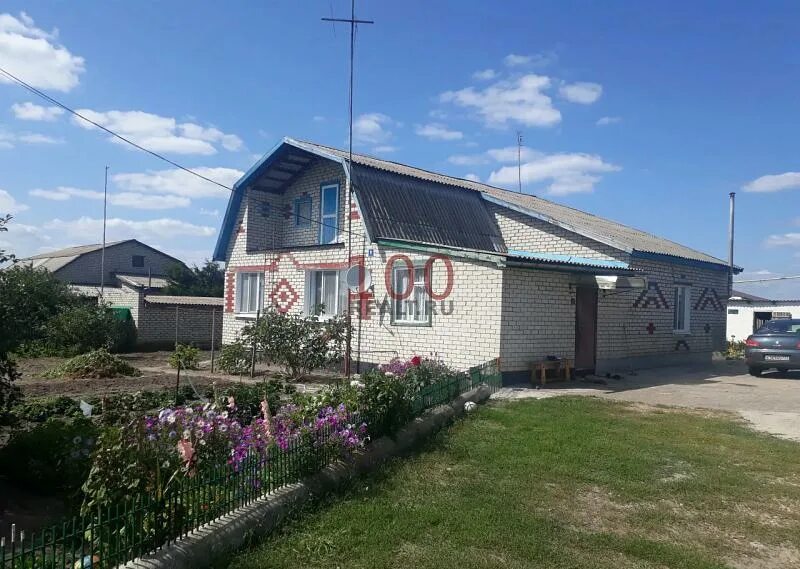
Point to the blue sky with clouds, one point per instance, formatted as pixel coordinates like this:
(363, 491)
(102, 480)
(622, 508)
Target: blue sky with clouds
(645, 113)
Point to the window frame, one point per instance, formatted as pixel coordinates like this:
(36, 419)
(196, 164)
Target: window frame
(306, 220)
(396, 320)
(240, 277)
(133, 261)
(686, 290)
(322, 215)
(312, 279)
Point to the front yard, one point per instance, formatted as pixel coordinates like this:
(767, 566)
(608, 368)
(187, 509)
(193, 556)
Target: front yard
(564, 482)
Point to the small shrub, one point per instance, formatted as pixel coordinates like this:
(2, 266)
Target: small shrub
(52, 457)
(299, 344)
(96, 364)
(9, 393)
(735, 350)
(234, 358)
(247, 397)
(386, 402)
(79, 328)
(40, 410)
(185, 357)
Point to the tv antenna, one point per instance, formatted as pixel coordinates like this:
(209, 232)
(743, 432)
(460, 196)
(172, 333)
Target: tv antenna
(519, 159)
(352, 21)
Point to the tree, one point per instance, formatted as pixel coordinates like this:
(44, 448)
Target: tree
(5, 257)
(208, 280)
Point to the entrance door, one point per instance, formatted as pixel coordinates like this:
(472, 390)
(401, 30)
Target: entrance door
(585, 329)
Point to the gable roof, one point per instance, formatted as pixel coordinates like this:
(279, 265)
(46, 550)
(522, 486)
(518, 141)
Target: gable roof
(364, 168)
(55, 260)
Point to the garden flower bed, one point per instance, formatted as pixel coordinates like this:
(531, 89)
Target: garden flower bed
(161, 475)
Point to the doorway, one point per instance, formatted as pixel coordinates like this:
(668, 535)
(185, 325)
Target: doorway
(585, 329)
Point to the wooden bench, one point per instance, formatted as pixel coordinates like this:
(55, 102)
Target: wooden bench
(541, 366)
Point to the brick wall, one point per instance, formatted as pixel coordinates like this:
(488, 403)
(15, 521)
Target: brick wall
(159, 325)
(526, 233)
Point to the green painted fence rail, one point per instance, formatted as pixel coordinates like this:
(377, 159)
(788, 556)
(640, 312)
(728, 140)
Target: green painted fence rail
(114, 535)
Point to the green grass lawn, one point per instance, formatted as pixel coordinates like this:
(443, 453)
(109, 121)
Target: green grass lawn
(562, 482)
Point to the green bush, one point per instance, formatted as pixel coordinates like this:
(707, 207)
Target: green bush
(96, 364)
(9, 393)
(248, 397)
(80, 328)
(299, 344)
(184, 357)
(385, 401)
(51, 458)
(234, 358)
(39, 410)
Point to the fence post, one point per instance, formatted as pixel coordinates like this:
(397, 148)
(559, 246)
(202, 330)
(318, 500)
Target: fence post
(176, 326)
(213, 334)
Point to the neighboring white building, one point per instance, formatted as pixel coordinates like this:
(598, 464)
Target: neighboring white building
(748, 313)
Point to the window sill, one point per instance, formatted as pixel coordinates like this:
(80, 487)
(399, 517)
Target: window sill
(427, 324)
(245, 315)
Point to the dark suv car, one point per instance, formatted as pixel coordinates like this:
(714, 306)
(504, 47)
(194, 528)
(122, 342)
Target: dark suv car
(774, 345)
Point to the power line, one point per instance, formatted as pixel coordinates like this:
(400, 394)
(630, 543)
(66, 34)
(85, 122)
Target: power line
(50, 99)
(58, 103)
(768, 280)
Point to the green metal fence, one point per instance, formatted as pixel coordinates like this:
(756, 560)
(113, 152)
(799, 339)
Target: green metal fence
(143, 524)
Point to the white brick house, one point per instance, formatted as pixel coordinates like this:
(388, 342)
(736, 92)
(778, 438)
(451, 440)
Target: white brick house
(459, 268)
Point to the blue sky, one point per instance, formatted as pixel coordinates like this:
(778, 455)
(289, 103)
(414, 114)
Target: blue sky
(645, 113)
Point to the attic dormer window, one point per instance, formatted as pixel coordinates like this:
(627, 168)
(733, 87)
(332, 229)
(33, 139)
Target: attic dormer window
(329, 213)
(137, 261)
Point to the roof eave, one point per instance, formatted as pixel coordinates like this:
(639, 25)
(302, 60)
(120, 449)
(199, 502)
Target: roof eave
(235, 199)
(721, 266)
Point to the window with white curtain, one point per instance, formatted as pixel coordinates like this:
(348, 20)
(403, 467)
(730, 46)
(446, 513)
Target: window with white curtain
(325, 291)
(249, 292)
(415, 308)
(682, 309)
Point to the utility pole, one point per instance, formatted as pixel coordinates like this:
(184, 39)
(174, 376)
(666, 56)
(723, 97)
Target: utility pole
(103, 250)
(348, 317)
(519, 159)
(731, 229)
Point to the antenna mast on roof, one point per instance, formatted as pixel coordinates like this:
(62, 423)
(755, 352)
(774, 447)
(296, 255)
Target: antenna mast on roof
(352, 21)
(103, 250)
(519, 159)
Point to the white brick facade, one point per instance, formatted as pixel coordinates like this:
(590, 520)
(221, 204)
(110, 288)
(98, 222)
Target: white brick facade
(492, 311)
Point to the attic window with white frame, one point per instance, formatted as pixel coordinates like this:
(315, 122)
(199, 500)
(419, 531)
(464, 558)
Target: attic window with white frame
(249, 292)
(682, 309)
(328, 213)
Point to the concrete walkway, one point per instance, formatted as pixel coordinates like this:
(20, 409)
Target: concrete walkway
(770, 403)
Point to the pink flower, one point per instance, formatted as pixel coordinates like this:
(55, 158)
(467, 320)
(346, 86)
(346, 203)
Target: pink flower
(415, 361)
(186, 451)
(231, 403)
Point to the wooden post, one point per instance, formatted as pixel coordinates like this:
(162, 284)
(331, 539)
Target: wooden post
(213, 334)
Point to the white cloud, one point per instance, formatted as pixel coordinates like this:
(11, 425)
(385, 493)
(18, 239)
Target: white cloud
(24, 240)
(485, 75)
(35, 138)
(582, 93)
(520, 100)
(372, 128)
(32, 112)
(537, 59)
(10, 205)
(605, 121)
(161, 134)
(565, 173)
(774, 183)
(785, 239)
(384, 149)
(84, 227)
(512, 153)
(468, 159)
(125, 199)
(209, 212)
(178, 182)
(472, 177)
(318, 118)
(33, 55)
(438, 131)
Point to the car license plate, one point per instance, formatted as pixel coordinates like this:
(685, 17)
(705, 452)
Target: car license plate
(776, 358)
